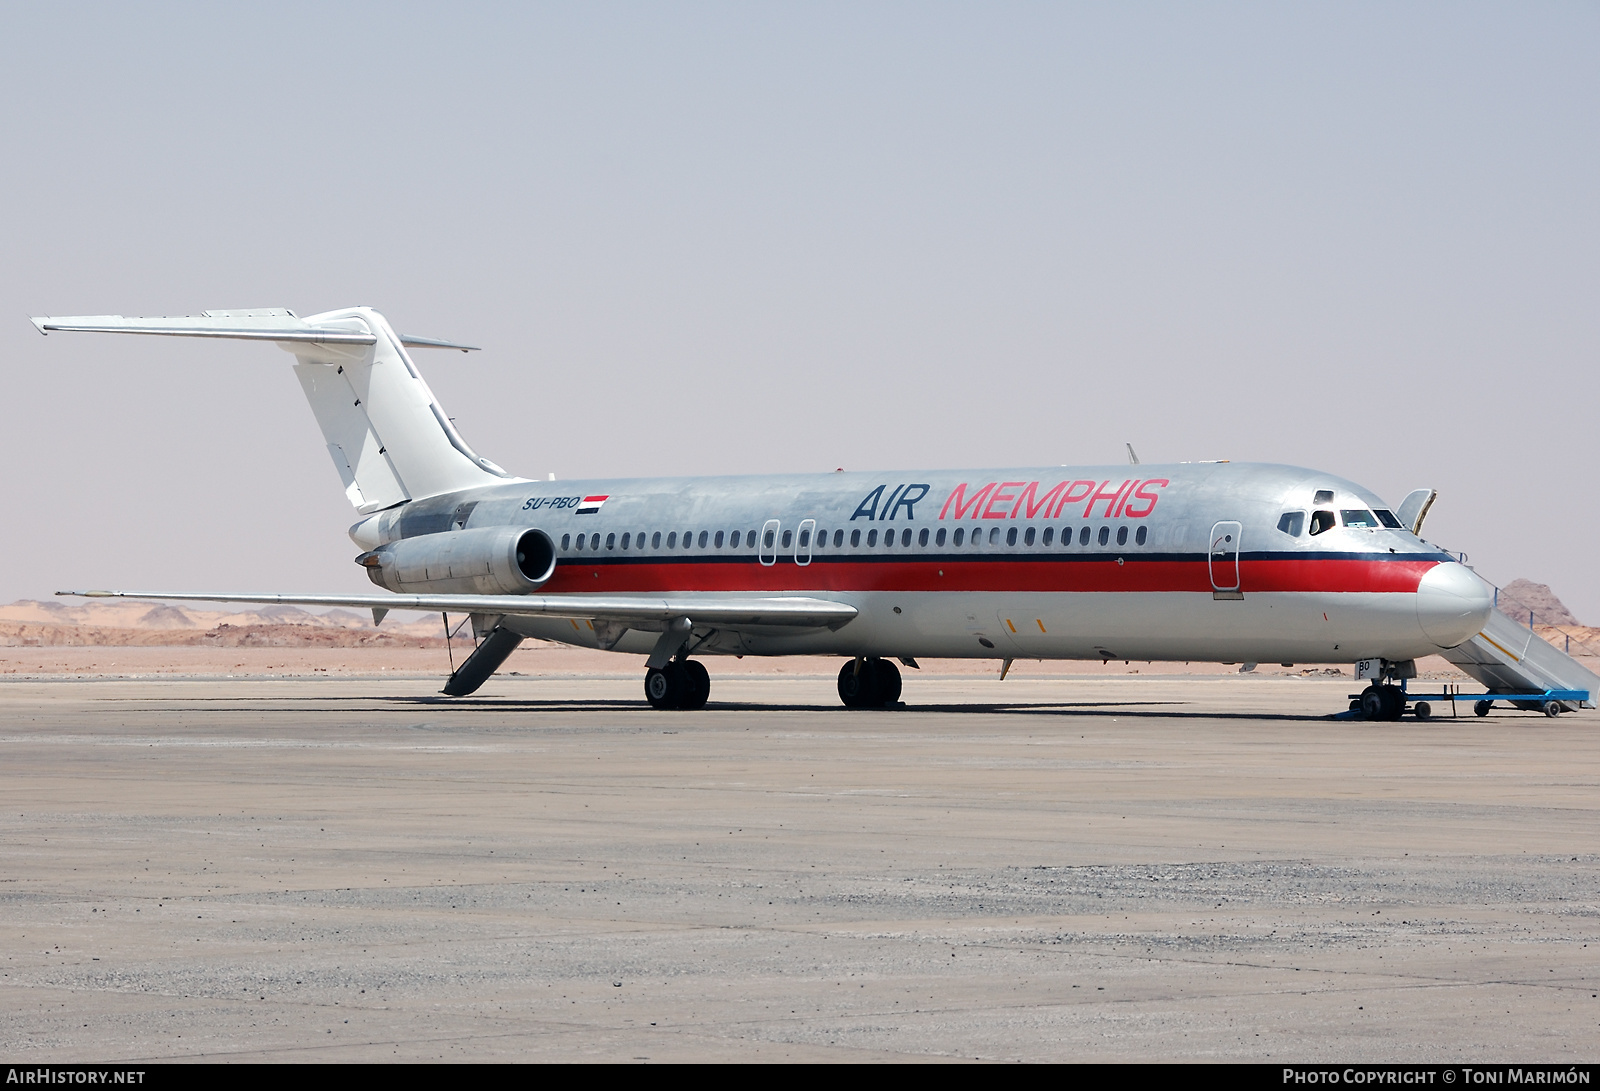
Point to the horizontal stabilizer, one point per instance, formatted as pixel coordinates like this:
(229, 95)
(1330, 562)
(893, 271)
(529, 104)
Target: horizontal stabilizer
(261, 324)
(700, 609)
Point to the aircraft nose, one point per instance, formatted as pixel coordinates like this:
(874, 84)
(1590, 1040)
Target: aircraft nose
(1453, 604)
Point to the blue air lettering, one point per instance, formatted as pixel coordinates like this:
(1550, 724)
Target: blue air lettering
(903, 496)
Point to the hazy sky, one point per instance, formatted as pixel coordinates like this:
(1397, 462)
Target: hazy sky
(703, 238)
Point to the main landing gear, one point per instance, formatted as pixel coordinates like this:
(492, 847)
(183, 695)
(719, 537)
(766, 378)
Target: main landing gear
(869, 683)
(683, 683)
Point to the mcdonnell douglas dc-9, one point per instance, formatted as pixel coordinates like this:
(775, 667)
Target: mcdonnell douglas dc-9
(1219, 562)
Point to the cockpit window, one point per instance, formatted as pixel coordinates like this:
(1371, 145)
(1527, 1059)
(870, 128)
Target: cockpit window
(1358, 517)
(1324, 496)
(1292, 523)
(1386, 517)
(1321, 521)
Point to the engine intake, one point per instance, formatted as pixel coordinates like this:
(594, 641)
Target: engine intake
(484, 561)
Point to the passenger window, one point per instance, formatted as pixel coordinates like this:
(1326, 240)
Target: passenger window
(704, 536)
(733, 540)
(611, 540)
(566, 542)
(580, 541)
(838, 539)
(994, 534)
(1011, 536)
(1049, 535)
(672, 540)
(788, 536)
(717, 541)
(655, 540)
(1321, 521)
(625, 541)
(1122, 535)
(1083, 536)
(1324, 496)
(805, 539)
(938, 539)
(1027, 537)
(767, 544)
(872, 538)
(1386, 517)
(1141, 535)
(905, 536)
(822, 539)
(1105, 535)
(1292, 523)
(922, 537)
(1358, 517)
(688, 539)
(959, 535)
(855, 538)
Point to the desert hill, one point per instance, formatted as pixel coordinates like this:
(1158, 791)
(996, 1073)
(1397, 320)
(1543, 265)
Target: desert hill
(1520, 596)
(127, 623)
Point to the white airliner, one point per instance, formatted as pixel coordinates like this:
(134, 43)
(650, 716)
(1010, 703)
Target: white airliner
(1222, 562)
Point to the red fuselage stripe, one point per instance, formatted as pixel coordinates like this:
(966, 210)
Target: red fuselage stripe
(1290, 574)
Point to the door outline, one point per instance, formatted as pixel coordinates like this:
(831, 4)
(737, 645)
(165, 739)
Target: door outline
(767, 544)
(1223, 553)
(805, 533)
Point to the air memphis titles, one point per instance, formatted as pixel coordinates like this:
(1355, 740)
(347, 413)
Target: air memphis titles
(1134, 498)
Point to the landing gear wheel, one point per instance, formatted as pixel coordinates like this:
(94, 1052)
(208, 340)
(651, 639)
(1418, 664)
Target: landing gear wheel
(1383, 703)
(888, 680)
(1482, 708)
(664, 687)
(699, 684)
(858, 688)
(876, 684)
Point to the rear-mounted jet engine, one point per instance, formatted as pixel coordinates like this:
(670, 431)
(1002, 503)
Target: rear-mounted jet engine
(485, 561)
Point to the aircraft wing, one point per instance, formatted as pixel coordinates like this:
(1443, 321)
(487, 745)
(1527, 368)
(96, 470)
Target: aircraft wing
(700, 609)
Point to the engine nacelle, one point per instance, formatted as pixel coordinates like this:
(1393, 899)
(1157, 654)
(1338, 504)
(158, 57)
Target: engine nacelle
(485, 561)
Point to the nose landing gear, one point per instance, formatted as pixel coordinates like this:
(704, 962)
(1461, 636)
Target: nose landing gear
(869, 683)
(683, 684)
(1383, 702)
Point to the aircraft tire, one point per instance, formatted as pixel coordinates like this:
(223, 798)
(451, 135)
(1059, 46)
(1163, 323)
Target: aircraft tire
(1372, 703)
(698, 684)
(859, 689)
(1394, 702)
(888, 680)
(665, 687)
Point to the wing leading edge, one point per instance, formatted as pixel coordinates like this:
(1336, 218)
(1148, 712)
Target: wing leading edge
(792, 612)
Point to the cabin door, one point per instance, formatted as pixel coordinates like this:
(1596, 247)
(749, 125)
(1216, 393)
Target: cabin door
(1223, 558)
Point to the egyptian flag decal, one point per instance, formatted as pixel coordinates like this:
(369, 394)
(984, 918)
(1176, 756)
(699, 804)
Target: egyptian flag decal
(591, 504)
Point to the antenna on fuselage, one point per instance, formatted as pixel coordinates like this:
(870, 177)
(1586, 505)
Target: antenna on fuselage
(1133, 459)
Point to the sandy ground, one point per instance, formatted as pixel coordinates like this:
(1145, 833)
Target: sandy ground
(345, 868)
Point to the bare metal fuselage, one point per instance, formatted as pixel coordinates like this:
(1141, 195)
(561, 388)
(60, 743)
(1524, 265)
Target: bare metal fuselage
(1051, 562)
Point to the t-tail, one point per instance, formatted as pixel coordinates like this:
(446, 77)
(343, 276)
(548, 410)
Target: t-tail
(389, 439)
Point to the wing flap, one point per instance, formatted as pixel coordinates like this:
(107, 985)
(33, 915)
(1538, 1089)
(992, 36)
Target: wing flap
(707, 610)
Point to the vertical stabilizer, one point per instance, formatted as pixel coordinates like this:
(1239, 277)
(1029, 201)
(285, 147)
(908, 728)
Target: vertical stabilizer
(389, 439)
